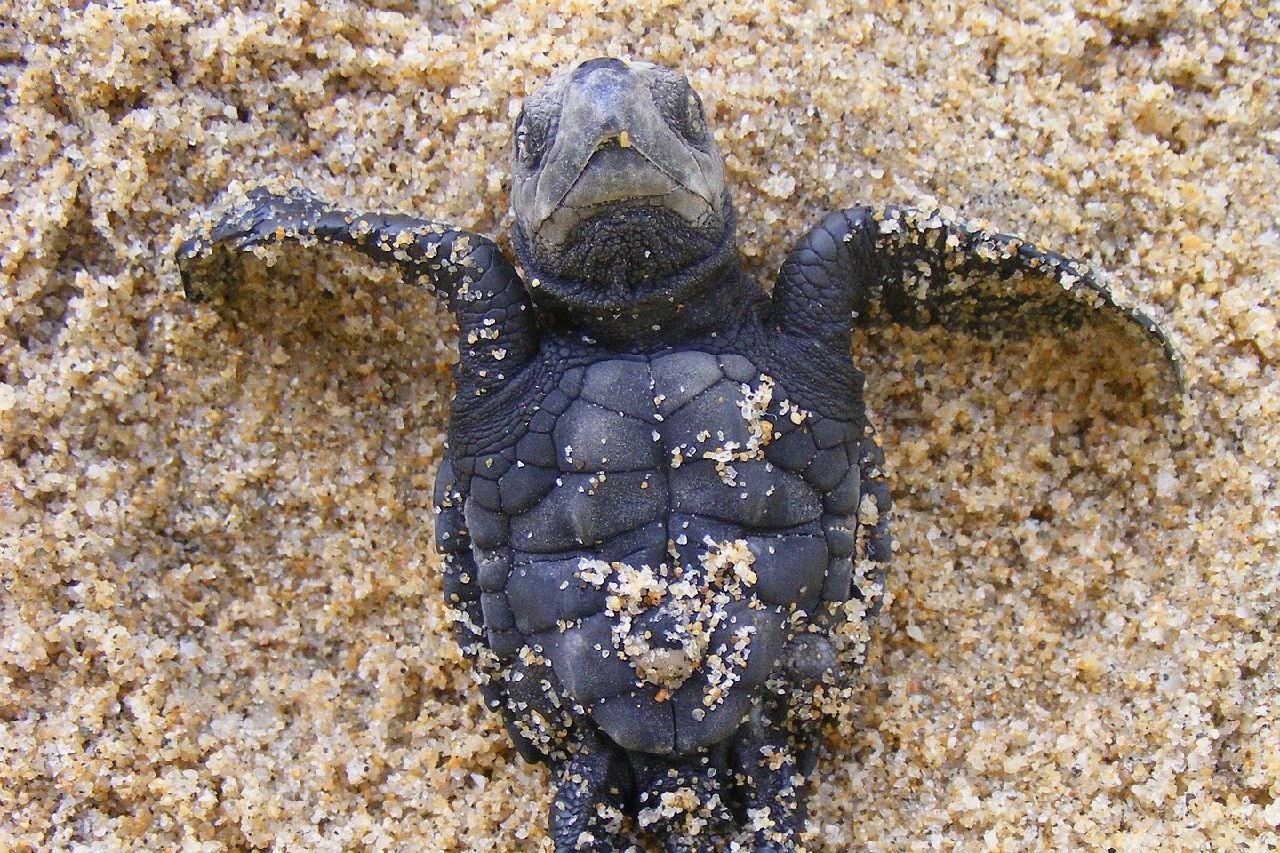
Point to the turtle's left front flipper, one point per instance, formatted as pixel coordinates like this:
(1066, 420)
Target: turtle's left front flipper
(865, 267)
(482, 288)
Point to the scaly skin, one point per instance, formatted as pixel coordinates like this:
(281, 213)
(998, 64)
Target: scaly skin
(662, 503)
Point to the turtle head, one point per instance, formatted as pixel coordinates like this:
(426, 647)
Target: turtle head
(618, 190)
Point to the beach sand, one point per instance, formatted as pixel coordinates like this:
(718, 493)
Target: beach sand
(221, 625)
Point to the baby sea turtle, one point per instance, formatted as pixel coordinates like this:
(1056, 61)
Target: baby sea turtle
(662, 509)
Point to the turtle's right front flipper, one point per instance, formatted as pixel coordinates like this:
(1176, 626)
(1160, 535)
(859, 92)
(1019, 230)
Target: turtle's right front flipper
(483, 289)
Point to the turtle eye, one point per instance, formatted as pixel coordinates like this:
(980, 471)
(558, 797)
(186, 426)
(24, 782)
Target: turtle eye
(682, 111)
(695, 121)
(530, 140)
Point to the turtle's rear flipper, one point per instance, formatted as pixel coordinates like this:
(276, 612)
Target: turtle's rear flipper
(594, 783)
(772, 787)
(868, 267)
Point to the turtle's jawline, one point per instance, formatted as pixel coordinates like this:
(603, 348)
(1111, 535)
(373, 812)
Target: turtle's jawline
(615, 180)
(567, 224)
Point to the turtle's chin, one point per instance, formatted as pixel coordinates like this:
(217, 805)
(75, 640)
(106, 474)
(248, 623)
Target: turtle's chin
(637, 271)
(627, 249)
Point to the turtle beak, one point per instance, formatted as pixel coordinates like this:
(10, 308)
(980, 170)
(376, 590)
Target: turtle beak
(614, 150)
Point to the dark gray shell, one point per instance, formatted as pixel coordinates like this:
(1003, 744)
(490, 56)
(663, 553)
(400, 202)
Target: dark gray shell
(649, 535)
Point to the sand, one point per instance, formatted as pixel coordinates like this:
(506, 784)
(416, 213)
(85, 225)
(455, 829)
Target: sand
(221, 625)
